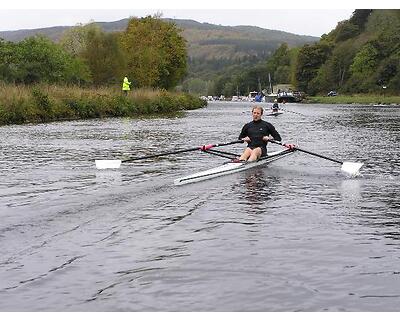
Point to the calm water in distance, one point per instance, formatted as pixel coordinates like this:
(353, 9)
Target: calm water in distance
(296, 235)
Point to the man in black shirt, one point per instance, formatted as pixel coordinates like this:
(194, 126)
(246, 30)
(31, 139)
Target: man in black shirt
(257, 133)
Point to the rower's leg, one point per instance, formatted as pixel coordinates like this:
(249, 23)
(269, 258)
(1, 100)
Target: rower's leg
(246, 154)
(255, 154)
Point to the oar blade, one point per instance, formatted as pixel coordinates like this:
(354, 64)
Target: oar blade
(108, 164)
(352, 168)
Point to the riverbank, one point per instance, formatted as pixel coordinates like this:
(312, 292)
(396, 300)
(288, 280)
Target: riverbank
(45, 103)
(356, 99)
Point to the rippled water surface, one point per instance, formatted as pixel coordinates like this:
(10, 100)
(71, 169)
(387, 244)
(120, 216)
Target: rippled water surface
(296, 235)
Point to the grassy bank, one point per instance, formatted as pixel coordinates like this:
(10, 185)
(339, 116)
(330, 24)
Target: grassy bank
(357, 99)
(44, 103)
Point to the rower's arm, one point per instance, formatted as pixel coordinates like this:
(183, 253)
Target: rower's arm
(243, 133)
(274, 133)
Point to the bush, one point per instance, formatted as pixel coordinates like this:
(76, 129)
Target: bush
(47, 103)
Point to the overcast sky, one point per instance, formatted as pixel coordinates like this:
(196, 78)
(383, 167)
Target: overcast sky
(299, 17)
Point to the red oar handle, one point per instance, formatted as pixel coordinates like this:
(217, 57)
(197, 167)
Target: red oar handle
(207, 147)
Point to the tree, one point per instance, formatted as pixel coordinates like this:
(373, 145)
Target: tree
(156, 52)
(278, 65)
(335, 71)
(8, 66)
(74, 40)
(346, 30)
(101, 52)
(365, 60)
(360, 17)
(196, 86)
(309, 60)
(104, 57)
(38, 59)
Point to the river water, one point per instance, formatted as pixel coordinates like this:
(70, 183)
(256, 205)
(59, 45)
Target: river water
(296, 235)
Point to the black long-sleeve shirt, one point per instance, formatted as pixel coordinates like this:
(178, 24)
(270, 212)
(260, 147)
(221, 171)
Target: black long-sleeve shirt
(256, 130)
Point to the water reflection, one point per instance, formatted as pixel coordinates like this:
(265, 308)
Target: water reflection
(350, 189)
(108, 177)
(258, 189)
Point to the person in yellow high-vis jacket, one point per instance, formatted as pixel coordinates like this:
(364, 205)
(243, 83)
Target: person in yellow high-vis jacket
(126, 85)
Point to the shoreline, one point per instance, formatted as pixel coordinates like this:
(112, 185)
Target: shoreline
(370, 100)
(48, 103)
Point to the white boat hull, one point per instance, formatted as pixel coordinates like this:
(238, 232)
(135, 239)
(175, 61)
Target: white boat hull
(231, 167)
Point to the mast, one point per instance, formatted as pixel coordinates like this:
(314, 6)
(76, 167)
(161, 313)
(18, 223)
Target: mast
(270, 85)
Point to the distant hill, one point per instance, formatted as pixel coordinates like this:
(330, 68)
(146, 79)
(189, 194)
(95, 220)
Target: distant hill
(205, 41)
(213, 50)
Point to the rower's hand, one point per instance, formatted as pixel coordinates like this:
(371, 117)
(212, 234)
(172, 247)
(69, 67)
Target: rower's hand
(267, 138)
(246, 139)
(290, 146)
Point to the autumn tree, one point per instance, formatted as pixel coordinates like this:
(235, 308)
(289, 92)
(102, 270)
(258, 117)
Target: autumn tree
(74, 40)
(100, 51)
(156, 52)
(104, 57)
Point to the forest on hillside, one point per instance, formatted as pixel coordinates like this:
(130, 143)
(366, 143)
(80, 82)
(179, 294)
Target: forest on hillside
(361, 55)
(212, 50)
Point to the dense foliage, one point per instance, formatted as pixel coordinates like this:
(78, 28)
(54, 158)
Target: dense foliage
(38, 59)
(361, 55)
(156, 53)
(80, 77)
(213, 52)
(151, 52)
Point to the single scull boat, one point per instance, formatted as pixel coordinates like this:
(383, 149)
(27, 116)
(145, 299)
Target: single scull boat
(350, 168)
(231, 167)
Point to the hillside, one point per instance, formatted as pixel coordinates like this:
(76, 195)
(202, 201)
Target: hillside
(361, 55)
(205, 41)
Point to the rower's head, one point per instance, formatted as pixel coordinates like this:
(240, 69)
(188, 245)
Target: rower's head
(257, 112)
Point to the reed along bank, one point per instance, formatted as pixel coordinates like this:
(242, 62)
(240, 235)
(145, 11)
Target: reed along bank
(45, 103)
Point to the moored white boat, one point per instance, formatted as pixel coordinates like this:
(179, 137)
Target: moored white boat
(231, 167)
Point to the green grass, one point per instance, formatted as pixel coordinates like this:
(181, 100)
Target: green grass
(44, 103)
(355, 99)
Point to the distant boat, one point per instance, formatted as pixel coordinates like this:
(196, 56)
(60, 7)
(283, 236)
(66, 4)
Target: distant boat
(289, 96)
(252, 95)
(270, 97)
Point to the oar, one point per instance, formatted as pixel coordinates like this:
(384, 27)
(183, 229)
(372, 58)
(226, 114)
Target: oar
(114, 164)
(351, 168)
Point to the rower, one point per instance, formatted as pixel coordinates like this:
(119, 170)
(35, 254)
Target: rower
(257, 133)
(275, 106)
